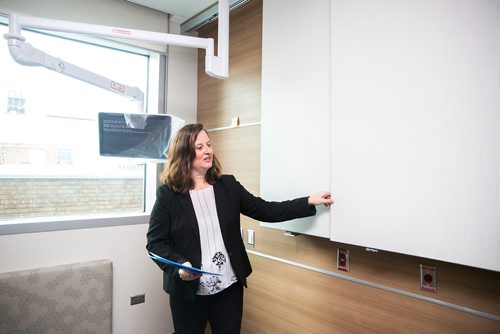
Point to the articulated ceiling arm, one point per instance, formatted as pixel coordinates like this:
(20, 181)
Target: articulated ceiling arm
(25, 54)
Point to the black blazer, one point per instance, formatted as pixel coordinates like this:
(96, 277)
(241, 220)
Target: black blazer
(173, 229)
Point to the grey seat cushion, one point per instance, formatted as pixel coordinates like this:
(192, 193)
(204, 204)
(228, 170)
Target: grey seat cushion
(72, 298)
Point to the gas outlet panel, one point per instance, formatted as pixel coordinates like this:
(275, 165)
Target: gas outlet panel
(342, 259)
(428, 276)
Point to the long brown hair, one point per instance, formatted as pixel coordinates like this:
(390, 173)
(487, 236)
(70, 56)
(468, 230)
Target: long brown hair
(177, 172)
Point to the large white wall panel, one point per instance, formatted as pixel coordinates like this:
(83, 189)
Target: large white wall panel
(416, 127)
(295, 136)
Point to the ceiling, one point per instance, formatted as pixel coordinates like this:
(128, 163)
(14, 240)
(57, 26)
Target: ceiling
(180, 9)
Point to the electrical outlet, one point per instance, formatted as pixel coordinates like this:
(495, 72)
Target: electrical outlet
(251, 238)
(343, 259)
(137, 299)
(428, 281)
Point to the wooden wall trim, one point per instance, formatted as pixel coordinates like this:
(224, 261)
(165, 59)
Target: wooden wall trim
(232, 127)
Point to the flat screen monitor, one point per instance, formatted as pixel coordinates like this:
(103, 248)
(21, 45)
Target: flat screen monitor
(136, 136)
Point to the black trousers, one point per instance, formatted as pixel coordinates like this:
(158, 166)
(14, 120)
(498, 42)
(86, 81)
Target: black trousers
(223, 311)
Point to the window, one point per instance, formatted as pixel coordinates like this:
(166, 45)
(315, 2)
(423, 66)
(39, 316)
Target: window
(15, 102)
(49, 152)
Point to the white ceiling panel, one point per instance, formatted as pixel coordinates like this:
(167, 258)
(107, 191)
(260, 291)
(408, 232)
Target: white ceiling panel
(180, 9)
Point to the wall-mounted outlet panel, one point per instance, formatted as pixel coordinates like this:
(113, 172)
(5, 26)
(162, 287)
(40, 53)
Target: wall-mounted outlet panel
(251, 238)
(428, 278)
(137, 299)
(343, 259)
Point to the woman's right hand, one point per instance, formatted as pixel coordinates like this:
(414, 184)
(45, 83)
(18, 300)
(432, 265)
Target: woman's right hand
(323, 197)
(187, 275)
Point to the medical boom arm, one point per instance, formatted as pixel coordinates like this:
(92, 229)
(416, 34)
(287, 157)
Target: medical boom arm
(26, 54)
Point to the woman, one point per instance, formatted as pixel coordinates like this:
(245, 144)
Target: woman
(196, 222)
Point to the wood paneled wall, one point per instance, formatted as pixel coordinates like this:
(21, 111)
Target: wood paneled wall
(221, 100)
(282, 298)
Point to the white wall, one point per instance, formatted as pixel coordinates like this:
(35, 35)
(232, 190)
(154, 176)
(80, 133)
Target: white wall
(133, 272)
(182, 80)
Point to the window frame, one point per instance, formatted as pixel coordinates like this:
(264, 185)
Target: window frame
(155, 101)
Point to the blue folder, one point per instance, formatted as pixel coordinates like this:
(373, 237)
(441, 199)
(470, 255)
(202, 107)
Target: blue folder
(180, 266)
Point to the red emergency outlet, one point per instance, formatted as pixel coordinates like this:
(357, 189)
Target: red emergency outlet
(428, 278)
(342, 259)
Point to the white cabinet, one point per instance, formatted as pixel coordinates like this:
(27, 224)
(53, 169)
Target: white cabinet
(295, 133)
(394, 105)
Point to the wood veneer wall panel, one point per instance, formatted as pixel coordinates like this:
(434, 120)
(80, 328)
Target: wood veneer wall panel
(457, 284)
(307, 302)
(238, 152)
(239, 95)
(287, 299)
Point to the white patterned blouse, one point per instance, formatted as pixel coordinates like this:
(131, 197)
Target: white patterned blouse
(214, 257)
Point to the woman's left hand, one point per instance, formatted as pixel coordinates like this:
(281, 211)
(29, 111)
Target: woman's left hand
(186, 275)
(323, 197)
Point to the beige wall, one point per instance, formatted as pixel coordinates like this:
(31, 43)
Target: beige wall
(133, 272)
(283, 298)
